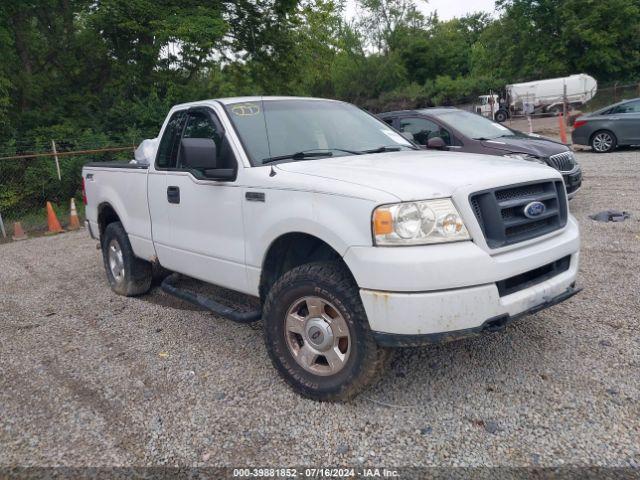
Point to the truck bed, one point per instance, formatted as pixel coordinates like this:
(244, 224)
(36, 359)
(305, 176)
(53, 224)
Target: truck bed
(123, 187)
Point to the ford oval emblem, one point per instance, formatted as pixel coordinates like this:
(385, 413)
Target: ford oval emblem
(534, 209)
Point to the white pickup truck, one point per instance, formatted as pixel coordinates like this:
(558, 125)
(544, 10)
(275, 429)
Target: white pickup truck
(352, 238)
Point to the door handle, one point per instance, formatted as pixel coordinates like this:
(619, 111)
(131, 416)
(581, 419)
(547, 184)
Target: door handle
(173, 194)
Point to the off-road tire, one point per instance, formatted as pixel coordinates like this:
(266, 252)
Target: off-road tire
(137, 272)
(332, 282)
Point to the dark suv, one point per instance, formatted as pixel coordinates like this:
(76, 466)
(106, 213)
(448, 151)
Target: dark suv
(460, 131)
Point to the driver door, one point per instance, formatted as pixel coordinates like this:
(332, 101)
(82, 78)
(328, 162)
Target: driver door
(207, 233)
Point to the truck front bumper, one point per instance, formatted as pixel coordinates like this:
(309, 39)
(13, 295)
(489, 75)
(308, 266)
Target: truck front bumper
(500, 288)
(493, 324)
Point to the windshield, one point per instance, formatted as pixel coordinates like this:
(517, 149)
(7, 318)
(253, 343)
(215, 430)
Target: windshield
(474, 126)
(308, 129)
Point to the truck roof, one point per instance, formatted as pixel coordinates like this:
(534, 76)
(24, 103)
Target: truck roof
(255, 98)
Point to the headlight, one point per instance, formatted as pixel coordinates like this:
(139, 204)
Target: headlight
(525, 156)
(418, 223)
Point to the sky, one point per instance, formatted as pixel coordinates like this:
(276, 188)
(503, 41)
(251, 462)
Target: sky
(447, 9)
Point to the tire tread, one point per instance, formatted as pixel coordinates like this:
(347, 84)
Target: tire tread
(138, 272)
(343, 285)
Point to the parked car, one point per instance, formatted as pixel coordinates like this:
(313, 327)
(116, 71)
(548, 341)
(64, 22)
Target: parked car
(458, 130)
(610, 127)
(351, 239)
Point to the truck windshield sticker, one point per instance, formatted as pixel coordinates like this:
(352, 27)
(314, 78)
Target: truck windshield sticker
(395, 136)
(246, 109)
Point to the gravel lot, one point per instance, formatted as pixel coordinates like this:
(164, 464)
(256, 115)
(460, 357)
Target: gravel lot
(93, 379)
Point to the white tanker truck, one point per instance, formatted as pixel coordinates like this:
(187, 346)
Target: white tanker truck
(540, 96)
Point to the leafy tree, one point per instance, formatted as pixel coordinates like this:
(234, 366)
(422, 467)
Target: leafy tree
(559, 37)
(92, 73)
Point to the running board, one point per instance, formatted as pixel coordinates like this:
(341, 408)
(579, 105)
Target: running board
(205, 302)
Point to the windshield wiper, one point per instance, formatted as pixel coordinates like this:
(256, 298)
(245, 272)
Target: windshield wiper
(312, 153)
(297, 156)
(386, 148)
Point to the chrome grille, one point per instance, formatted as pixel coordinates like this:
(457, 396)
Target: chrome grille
(565, 161)
(500, 211)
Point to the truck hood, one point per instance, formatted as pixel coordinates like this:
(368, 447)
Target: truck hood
(415, 175)
(540, 147)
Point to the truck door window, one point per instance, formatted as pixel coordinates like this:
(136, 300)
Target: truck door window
(423, 129)
(200, 125)
(169, 144)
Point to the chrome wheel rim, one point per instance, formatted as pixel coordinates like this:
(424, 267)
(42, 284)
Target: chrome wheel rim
(602, 142)
(317, 336)
(116, 261)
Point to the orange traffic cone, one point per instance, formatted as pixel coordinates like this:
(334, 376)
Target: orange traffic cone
(563, 129)
(74, 221)
(52, 221)
(18, 232)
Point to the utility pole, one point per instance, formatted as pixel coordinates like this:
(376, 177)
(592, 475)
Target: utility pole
(4, 233)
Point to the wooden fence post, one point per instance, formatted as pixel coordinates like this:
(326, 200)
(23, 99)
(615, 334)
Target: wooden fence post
(4, 232)
(55, 155)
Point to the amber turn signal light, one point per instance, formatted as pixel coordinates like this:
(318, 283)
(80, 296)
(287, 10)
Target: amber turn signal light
(382, 222)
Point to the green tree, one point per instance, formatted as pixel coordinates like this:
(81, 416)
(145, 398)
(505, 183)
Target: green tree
(559, 37)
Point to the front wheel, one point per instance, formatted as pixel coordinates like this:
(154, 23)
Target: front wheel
(317, 333)
(128, 275)
(603, 141)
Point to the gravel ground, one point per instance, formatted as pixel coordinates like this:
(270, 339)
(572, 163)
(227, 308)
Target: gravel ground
(90, 378)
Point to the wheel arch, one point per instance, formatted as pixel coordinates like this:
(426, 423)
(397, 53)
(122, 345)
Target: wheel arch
(601, 130)
(290, 250)
(106, 214)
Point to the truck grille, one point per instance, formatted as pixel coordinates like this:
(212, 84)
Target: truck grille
(565, 162)
(501, 211)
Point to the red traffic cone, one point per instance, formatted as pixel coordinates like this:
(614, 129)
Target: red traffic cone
(18, 232)
(74, 221)
(52, 221)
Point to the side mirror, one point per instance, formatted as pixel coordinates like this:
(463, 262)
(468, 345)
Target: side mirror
(437, 143)
(198, 153)
(201, 154)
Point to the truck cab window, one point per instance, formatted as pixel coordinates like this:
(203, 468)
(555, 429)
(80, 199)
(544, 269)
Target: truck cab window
(167, 156)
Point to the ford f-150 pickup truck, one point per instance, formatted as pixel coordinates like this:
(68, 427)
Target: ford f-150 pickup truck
(352, 238)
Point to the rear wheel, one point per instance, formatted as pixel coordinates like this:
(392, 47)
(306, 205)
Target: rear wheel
(317, 333)
(127, 274)
(603, 141)
(501, 116)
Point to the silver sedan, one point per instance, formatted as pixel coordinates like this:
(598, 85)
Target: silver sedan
(610, 127)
